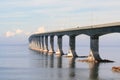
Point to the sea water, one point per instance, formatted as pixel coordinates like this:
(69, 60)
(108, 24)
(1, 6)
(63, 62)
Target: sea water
(18, 62)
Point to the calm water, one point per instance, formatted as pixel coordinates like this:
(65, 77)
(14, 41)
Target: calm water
(19, 63)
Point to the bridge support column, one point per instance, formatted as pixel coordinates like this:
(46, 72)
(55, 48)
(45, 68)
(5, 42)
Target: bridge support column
(51, 44)
(72, 52)
(37, 40)
(35, 43)
(94, 46)
(59, 43)
(42, 43)
(46, 44)
(31, 44)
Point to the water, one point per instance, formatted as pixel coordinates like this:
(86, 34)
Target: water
(17, 62)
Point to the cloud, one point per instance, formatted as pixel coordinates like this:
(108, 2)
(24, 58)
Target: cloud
(19, 31)
(16, 32)
(65, 13)
(9, 34)
(27, 33)
(40, 30)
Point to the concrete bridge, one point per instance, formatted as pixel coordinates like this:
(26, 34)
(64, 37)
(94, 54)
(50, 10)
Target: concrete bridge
(40, 41)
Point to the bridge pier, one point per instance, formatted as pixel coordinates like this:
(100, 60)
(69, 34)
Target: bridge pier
(46, 44)
(72, 52)
(59, 43)
(51, 44)
(39, 44)
(31, 44)
(39, 39)
(42, 43)
(94, 46)
(35, 43)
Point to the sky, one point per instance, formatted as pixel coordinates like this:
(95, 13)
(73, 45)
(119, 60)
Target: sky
(21, 18)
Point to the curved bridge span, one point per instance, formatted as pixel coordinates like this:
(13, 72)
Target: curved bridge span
(40, 41)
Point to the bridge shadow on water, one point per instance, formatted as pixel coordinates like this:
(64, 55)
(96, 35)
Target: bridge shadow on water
(61, 63)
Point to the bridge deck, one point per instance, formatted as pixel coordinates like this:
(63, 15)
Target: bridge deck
(115, 24)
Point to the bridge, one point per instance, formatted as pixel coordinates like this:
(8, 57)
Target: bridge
(39, 41)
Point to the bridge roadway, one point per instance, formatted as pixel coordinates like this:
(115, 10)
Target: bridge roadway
(40, 41)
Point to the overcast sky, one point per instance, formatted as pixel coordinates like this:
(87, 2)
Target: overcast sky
(21, 18)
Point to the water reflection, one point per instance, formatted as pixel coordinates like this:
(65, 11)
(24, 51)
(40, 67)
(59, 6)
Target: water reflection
(46, 59)
(72, 62)
(71, 72)
(51, 61)
(59, 62)
(23, 64)
(72, 67)
(94, 71)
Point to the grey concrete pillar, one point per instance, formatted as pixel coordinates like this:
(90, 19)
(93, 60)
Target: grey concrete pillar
(42, 43)
(94, 46)
(72, 51)
(51, 44)
(46, 44)
(34, 43)
(59, 43)
(30, 44)
(37, 42)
